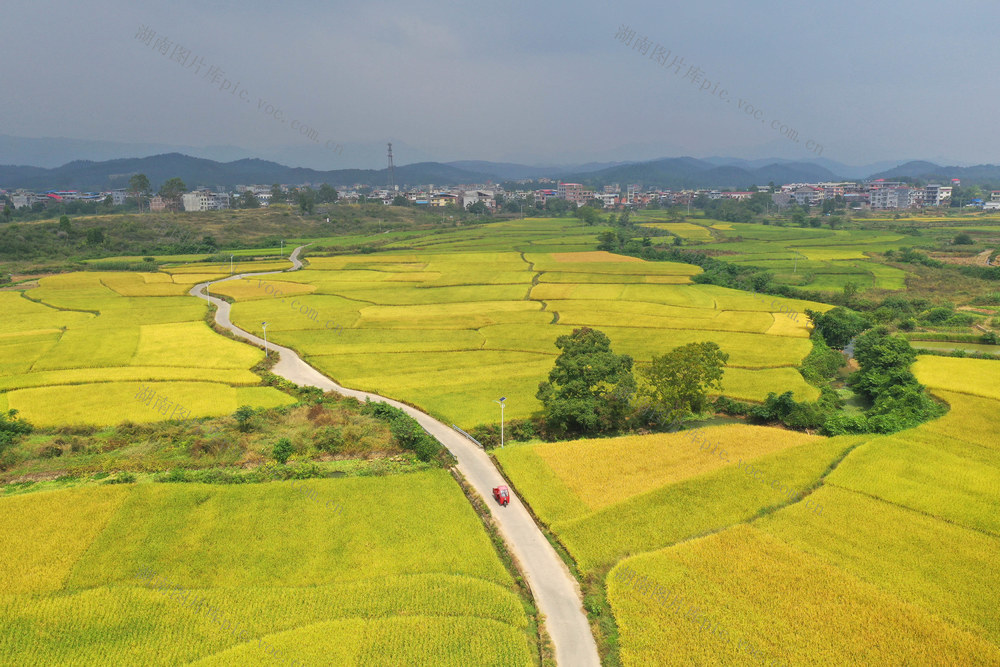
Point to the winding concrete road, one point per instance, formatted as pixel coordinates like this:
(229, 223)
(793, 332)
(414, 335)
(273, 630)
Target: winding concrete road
(556, 592)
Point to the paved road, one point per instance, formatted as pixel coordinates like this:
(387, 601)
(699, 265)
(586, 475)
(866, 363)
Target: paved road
(555, 590)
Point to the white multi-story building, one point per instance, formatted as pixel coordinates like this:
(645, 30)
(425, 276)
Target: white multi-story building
(205, 200)
(891, 198)
(936, 195)
(807, 195)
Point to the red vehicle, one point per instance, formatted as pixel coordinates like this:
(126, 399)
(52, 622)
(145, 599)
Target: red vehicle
(502, 495)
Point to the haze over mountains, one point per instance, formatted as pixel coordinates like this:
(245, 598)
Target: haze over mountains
(197, 170)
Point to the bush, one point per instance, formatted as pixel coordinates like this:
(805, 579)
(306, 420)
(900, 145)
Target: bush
(244, 416)
(406, 431)
(991, 338)
(937, 315)
(909, 324)
(963, 239)
(960, 320)
(50, 452)
(328, 439)
(282, 450)
(121, 478)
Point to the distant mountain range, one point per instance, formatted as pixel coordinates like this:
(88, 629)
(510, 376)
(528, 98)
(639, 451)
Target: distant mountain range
(86, 175)
(982, 174)
(675, 173)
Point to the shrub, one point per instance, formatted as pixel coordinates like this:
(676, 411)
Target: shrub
(244, 416)
(282, 450)
(328, 439)
(960, 320)
(909, 324)
(937, 315)
(991, 338)
(50, 452)
(121, 478)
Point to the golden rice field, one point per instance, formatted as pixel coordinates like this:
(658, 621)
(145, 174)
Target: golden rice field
(746, 598)
(75, 350)
(898, 566)
(959, 375)
(125, 574)
(504, 309)
(608, 498)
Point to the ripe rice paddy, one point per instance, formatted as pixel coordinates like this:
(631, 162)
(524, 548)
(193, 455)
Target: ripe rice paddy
(284, 576)
(506, 304)
(76, 348)
(898, 564)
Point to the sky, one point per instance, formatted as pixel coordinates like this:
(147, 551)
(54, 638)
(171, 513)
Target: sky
(536, 83)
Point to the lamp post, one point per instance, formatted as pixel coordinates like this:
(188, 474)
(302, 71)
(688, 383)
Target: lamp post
(282, 251)
(231, 264)
(501, 402)
(263, 325)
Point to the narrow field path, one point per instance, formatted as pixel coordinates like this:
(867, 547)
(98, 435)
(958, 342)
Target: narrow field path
(555, 590)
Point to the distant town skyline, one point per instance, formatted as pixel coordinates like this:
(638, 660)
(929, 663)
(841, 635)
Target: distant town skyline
(517, 82)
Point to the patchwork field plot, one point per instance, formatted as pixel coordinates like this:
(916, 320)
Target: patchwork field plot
(960, 375)
(743, 597)
(906, 538)
(75, 349)
(285, 577)
(512, 298)
(609, 498)
(820, 259)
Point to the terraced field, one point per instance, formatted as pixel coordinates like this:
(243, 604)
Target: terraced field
(450, 329)
(891, 558)
(124, 574)
(81, 347)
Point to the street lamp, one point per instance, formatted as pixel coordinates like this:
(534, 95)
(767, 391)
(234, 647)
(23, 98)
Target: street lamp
(263, 326)
(501, 402)
(282, 251)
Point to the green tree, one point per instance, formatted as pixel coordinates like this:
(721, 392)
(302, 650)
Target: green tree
(327, 194)
(307, 200)
(244, 417)
(95, 236)
(839, 325)
(277, 194)
(588, 214)
(64, 225)
(11, 429)
(400, 200)
(138, 187)
(587, 390)
(282, 450)
(478, 207)
(677, 383)
(249, 200)
(963, 239)
(171, 192)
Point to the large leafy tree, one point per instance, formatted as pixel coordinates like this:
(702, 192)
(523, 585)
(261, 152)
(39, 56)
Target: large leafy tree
(587, 390)
(171, 191)
(327, 194)
(138, 187)
(839, 325)
(885, 363)
(677, 383)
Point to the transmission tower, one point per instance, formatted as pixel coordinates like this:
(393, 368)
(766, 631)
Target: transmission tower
(392, 173)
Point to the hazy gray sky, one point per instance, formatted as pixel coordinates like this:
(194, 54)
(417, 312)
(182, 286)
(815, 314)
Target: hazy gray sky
(519, 81)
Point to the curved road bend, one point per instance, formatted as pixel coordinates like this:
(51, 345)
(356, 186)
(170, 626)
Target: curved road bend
(556, 592)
